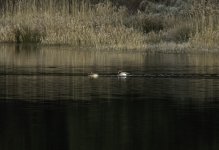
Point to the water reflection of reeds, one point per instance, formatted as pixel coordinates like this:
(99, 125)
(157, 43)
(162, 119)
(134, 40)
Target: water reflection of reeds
(60, 73)
(61, 56)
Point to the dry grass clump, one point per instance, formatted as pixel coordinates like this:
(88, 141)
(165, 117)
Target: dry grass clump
(155, 37)
(28, 34)
(21, 28)
(207, 38)
(179, 33)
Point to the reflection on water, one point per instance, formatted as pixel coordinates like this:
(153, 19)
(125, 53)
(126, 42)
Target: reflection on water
(48, 101)
(66, 57)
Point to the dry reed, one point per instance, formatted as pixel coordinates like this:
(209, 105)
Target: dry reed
(79, 23)
(97, 26)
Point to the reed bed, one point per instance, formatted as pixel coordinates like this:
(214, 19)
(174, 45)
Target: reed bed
(85, 25)
(206, 25)
(104, 25)
(196, 29)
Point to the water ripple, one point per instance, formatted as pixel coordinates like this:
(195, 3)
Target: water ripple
(152, 75)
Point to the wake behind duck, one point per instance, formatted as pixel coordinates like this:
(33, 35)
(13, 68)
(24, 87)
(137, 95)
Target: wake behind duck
(122, 74)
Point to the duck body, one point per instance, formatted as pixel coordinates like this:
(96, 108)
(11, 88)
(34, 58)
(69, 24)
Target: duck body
(122, 74)
(93, 75)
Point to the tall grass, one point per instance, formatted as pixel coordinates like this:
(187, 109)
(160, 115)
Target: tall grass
(81, 23)
(206, 22)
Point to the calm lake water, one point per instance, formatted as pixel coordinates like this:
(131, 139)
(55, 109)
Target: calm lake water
(47, 101)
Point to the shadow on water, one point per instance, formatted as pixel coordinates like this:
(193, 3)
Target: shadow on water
(47, 101)
(116, 125)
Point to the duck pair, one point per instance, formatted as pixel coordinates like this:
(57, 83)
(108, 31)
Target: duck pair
(120, 74)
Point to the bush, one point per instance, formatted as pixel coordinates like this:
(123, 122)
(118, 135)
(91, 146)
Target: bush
(145, 23)
(180, 33)
(26, 34)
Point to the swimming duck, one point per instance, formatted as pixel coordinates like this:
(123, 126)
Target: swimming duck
(93, 75)
(122, 74)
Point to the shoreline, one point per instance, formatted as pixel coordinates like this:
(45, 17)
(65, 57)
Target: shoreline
(165, 48)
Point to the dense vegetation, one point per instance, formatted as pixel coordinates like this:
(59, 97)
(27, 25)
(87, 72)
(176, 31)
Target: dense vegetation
(132, 24)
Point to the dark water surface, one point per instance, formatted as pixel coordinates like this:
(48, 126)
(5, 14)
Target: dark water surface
(47, 101)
